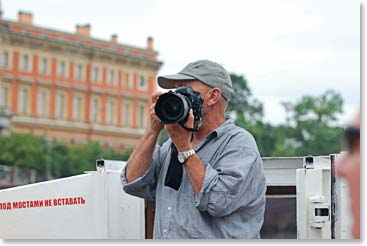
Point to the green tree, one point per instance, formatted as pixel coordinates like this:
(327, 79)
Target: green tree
(242, 102)
(23, 150)
(312, 124)
(248, 113)
(70, 160)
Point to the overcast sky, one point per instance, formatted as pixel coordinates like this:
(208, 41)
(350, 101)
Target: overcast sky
(285, 48)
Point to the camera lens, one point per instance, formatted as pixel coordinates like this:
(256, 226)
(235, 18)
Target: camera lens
(171, 108)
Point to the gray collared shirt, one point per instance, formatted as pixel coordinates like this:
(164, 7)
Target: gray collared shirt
(231, 202)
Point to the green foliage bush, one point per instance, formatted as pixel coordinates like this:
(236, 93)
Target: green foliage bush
(64, 160)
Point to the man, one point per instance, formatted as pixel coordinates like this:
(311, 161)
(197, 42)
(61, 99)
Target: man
(348, 167)
(221, 193)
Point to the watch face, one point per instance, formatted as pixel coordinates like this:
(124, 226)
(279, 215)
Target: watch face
(180, 158)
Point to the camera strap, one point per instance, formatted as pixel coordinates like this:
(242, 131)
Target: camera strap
(197, 125)
(175, 170)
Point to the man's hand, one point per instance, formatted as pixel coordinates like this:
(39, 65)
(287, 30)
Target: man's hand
(181, 137)
(155, 124)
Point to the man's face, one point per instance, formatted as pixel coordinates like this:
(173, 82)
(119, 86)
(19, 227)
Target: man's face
(198, 86)
(348, 167)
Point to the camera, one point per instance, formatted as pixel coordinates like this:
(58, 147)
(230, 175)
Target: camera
(174, 107)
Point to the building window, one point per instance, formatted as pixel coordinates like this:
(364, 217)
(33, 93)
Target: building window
(23, 101)
(61, 69)
(126, 114)
(94, 110)
(5, 59)
(95, 74)
(3, 96)
(141, 115)
(110, 112)
(60, 106)
(129, 81)
(43, 66)
(78, 73)
(24, 62)
(111, 77)
(143, 84)
(77, 107)
(42, 103)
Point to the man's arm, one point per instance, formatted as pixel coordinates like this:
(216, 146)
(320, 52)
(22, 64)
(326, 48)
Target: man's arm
(141, 157)
(195, 168)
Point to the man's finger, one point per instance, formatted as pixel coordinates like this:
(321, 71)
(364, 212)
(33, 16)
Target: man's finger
(155, 95)
(190, 121)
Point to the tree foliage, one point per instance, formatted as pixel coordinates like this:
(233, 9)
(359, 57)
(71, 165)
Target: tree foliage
(311, 126)
(24, 150)
(242, 103)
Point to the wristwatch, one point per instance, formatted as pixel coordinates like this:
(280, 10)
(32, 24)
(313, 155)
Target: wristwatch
(183, 156)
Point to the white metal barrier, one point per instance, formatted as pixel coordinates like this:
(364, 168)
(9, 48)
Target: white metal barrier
(87, 206)
(94, 206)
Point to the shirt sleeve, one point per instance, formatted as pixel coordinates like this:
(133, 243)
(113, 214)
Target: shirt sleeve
(228, 183)
(144, 186)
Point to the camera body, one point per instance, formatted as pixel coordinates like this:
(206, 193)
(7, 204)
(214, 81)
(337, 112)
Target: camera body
(174, 107)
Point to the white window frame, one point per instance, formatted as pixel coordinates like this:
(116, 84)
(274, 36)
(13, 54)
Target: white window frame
(111, 77)
(110, 112)
(94, 110)
(5, 63)
(76, 68)
(25, 65)
(143, 86)
(77, 107)
(130, 81)
(3, 96)
(126, 117)
(42, 103)
(23, 101)
(61, 73)
(95, 77)
(141, 116)
(43, 68)
(60, 105)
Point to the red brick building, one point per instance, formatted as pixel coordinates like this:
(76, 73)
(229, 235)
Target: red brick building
(74, 88)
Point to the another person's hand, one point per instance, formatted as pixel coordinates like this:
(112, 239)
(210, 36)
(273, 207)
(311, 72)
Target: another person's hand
(180, 136)
(155, 123)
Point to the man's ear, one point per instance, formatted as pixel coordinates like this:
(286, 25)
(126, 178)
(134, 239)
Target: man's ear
(214, 96)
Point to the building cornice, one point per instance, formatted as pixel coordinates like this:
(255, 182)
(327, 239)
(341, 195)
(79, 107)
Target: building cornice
(92, 53)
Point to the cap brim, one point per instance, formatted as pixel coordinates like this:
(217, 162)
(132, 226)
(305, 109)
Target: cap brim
(167, 81)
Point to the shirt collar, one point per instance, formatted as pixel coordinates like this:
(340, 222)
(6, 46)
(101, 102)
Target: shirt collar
(222, 128)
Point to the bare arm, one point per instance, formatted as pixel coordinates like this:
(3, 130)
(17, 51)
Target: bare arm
(141, 157)
(195, 167)
(195, 170)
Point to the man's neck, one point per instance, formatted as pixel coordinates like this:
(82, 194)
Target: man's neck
(207, 127)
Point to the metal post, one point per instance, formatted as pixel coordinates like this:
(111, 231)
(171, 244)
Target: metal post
(333, 209)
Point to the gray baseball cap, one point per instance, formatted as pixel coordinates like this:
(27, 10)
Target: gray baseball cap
(208, 72)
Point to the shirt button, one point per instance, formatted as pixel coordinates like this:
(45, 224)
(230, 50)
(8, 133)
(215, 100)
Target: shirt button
(169, 208)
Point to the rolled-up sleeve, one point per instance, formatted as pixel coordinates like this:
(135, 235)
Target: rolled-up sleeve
(144, 186)
(228, 183)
